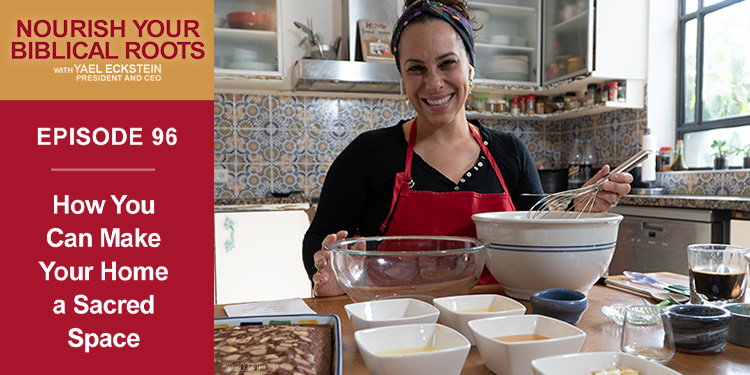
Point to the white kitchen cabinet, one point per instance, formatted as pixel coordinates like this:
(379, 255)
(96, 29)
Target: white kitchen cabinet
(241, 53)
(507, 44)
(585, 42)
(258, 256)
(280, 45)
(608, 41)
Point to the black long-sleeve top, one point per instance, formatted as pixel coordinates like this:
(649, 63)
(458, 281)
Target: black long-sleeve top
(358, 188)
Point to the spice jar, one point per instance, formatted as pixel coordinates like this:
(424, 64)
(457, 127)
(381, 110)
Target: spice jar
(480, 104)
(612, 91)
(492, 106)
(540, 105)
(530, 104)
(621, 91)
(515, 106)
(590, 94)
(665, 158)
(570, 100)
(502, 106)
(602, 91)
(469, 106)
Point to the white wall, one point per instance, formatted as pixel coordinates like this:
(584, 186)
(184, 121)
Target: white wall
(662, 70)
(258, 256)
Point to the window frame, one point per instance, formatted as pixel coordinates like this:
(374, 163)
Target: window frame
(699, 124)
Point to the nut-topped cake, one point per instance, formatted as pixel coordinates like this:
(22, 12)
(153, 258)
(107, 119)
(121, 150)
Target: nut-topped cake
(273, 349)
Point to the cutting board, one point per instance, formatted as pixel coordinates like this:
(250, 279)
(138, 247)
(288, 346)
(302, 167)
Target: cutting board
(644, 290)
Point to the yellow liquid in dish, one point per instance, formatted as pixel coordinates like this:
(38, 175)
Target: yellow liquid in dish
(423, 349)
(519, 338)
(477, 311)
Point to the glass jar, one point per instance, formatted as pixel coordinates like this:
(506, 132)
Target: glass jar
(570, 100)
(492, 106)
(590, 94)
(502, 106)
(530, 104)
(612, 91)
(665, 159)
(540, 105)
(515, 106)
(469, 106)
(621, 91)
(480, 103)
(602, 91)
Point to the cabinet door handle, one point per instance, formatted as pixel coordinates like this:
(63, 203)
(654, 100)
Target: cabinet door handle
(652, 226)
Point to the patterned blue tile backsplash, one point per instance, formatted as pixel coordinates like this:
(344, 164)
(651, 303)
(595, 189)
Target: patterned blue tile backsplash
(283, 143)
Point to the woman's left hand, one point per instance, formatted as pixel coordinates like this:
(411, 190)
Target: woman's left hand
(617, 186)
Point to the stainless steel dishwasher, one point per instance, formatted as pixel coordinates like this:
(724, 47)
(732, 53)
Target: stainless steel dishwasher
(656, 238)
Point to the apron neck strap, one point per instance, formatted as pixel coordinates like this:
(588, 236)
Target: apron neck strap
(410, 153)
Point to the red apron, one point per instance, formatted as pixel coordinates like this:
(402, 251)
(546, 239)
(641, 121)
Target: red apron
(416, 212)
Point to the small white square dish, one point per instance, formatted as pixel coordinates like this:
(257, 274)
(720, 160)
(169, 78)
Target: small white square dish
(457, 311)
(508, 344)
(413, 349)
(390, 312)
(584, 363)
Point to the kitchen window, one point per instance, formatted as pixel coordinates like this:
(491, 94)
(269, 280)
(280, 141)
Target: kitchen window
(713, 83)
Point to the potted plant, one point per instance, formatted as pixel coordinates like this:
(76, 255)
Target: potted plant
(720, 156)
(743, 150)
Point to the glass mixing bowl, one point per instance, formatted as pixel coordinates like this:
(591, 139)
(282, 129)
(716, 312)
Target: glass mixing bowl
(423, 267)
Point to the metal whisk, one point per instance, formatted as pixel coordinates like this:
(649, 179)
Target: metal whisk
(561, 201)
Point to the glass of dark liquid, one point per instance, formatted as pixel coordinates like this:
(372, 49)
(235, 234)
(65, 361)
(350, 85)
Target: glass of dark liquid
(717, 273)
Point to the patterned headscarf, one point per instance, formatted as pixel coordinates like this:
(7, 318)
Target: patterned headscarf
(440, 11)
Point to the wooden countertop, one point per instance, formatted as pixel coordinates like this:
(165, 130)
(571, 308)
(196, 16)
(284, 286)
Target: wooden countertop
(602, 334)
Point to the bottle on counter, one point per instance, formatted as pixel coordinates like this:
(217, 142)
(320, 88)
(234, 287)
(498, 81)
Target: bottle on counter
(575, 161)
(679, 163)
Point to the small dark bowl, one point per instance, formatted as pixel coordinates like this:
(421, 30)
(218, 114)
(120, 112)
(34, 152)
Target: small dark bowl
(699, 329)
(563, 304)
(739, 324)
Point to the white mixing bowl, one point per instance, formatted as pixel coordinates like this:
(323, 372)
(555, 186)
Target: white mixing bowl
(555, 251)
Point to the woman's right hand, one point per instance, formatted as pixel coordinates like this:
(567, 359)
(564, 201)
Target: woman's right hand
(324, 280)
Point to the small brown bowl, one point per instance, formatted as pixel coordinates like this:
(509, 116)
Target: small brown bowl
(249, 20)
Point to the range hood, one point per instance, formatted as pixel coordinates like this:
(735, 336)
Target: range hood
(348, 75)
